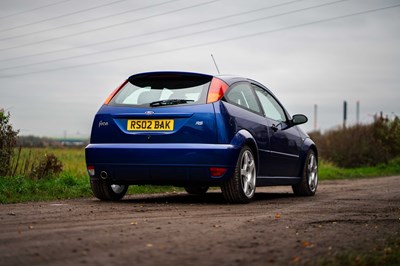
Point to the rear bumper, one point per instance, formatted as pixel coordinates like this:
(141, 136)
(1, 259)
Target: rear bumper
(163, 164)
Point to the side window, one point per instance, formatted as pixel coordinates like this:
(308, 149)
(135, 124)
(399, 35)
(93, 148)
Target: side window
(242, 94)
(271, 107)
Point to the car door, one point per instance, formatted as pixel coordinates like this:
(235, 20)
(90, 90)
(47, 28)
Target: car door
(246, 110)
(282, 156)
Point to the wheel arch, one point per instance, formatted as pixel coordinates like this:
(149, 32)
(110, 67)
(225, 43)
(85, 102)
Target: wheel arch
(308, 144)
(244, 137)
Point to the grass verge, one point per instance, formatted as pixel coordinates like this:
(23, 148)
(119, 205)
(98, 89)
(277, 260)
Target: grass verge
(328, 171)
(389, 255)
(65, 186)
(20, 189)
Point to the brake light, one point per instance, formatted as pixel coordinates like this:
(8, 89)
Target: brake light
(217, 90)
(115, 92)
(217, 171)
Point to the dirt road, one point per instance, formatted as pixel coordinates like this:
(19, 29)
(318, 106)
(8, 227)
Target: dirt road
(178, 229)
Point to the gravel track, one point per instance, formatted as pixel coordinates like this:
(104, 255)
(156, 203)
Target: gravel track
(277, 228)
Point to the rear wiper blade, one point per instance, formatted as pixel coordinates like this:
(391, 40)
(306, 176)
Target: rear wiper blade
(170, 102)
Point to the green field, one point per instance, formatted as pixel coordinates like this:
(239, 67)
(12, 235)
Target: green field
(73, 181)
(73, 159)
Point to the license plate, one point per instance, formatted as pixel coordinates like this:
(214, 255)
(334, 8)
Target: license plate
(150, 125)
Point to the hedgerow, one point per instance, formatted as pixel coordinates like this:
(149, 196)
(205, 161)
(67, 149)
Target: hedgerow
(8, 141)
(360, 145)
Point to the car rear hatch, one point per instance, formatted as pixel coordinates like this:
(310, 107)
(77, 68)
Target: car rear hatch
(160, 107)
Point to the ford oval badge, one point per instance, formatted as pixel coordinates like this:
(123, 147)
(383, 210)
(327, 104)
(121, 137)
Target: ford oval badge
(149, 113)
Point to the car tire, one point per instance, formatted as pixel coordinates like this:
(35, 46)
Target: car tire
(200, 190)
(309, 180)
(240, 188)
(104, 190)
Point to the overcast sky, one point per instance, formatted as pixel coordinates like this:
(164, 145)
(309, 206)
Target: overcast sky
(60, 59)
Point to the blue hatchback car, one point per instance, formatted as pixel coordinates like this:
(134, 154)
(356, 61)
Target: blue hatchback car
(195, 131)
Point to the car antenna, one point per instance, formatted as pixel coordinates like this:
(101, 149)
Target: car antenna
(215, 63)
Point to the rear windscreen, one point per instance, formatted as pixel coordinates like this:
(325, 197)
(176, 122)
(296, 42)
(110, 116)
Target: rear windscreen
(146, 90)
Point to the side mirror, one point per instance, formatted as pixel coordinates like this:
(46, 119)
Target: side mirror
(299, 119)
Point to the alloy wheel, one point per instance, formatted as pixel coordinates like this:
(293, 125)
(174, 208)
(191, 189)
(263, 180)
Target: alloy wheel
(117, 189)
(248, 173)
(312, 169)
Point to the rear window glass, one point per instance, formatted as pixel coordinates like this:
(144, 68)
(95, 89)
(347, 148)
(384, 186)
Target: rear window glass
(146, 90)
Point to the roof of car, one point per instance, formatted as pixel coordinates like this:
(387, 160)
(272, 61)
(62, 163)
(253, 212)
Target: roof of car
(230, 79)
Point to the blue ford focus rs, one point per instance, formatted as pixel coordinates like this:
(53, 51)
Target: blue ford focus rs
(195, 131)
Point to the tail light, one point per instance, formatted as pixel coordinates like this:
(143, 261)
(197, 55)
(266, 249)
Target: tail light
(217, 90)
(115, 92)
